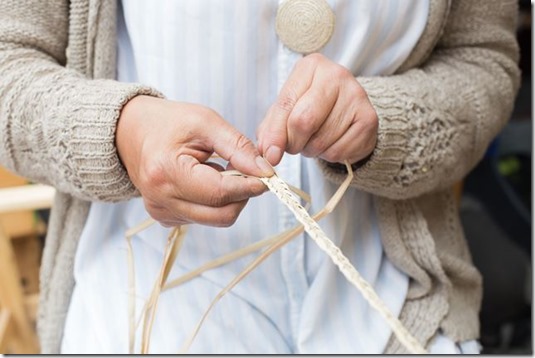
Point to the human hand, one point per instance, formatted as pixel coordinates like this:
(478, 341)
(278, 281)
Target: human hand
(164, 146)
(322, 111)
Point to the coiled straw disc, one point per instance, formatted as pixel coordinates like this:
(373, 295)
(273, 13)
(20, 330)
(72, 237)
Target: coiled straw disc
(305, 26)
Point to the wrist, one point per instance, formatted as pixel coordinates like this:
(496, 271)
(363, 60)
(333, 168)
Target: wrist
(127, 133)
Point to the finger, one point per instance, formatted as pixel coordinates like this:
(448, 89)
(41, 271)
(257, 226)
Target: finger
(342, 116)
(356, 144)
(237, 149)
(272, 134)
(183, 212)
(311, 112)
(202, 184)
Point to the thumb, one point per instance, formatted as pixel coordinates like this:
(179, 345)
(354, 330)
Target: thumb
(239, 151)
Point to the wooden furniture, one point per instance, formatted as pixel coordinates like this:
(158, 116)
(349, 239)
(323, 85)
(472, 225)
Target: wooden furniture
(17, 310)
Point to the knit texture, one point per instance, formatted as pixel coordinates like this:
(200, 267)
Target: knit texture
(59, 110)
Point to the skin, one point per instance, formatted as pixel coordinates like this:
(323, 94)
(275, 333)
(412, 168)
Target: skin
(322, 111)
(164, 146)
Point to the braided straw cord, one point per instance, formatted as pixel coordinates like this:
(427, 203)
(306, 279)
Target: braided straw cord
(282, 191)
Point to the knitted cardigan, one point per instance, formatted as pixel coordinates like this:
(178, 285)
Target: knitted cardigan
(59, 106)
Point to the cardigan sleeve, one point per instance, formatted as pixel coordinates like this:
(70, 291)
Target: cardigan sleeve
(436, 121)
(56, 125)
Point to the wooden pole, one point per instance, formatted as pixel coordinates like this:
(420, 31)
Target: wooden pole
(26, 197)
(23, 340)
(5, 331)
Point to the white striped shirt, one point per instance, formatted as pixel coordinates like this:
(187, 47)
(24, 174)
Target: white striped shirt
(225, 54)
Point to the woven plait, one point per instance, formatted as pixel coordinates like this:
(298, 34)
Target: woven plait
(305, 26)
(278, 187)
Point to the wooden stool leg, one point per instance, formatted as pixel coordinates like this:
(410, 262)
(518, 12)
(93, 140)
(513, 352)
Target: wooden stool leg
(23, 339)
(5, 330)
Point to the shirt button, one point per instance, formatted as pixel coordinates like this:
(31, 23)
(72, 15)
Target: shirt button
(305, 26)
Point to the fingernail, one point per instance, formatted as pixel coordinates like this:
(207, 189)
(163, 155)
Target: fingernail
(264, 166)
(273, 154)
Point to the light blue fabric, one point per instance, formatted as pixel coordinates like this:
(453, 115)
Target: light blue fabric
(225, 54)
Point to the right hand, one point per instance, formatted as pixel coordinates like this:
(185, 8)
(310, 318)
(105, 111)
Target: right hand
(164, 146)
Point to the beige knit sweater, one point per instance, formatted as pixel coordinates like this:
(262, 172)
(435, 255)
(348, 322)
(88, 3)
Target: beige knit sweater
(59, 108)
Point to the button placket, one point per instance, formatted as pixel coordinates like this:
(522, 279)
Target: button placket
(293, 253)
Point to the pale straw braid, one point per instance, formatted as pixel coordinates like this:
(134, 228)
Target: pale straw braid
(283, 192)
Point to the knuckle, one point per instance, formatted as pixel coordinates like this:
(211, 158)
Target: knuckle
(155, 211)
(333, 155)
(242, 142)
(153, 174)
(359, 93)
(303, 122)
(314, 148)
(286, 101)
(341, 72)
(218, 197)
(229, 216)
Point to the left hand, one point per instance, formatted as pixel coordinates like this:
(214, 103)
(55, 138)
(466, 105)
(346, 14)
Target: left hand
(322, 111)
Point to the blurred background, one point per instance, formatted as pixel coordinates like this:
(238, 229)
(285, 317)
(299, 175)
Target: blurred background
(496, 216)
(495, 208)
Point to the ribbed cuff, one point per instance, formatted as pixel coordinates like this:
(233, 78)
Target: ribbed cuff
(379, 172)
(94, 165)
